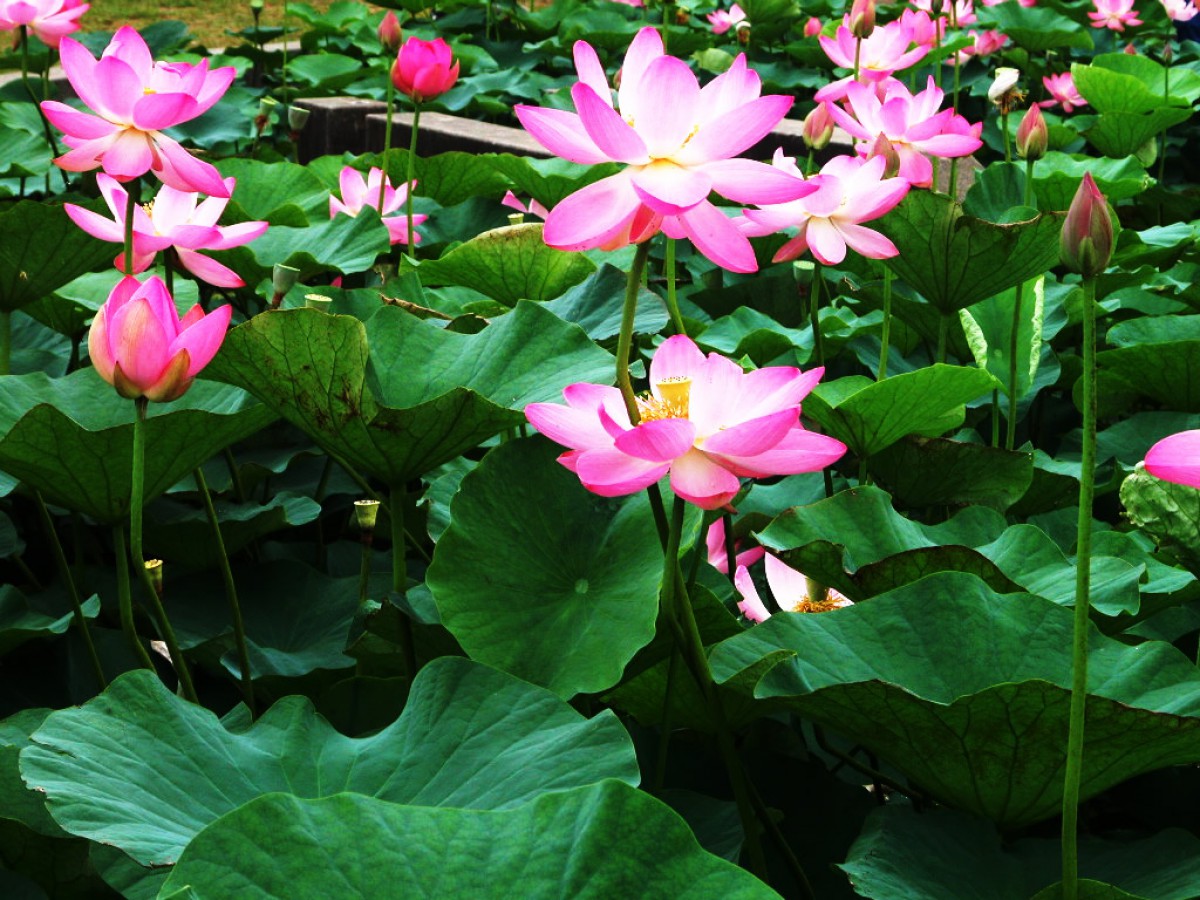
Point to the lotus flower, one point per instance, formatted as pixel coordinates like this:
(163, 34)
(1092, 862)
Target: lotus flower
(533, 208)
(172, 219)
(792, 591)
(49, 20)
(1176, 458)
(1114, 14)
(1062, 89)
(722, 21)
(889, 49)
(912, 123)
(1087, 232)
(677, 141)
(424, 69)
(357, 193)
(850, 191)
(140, 346)
(1179, 10)
(705, 421)
(1032, 134)
(134, 99)
(718, 556)
(389, 32)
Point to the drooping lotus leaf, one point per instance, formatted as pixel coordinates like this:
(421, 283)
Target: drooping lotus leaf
(956, 260)
(21, 621)
(469, 737)
(967, 692)
(604, 841)
(925, 472)
(1167, 372)
(42, 250)
(541, 578)
(72, 437)
(399, 396)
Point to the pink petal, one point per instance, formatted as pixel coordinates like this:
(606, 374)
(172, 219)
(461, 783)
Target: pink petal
(1176, 458)
(209, 270)
(659, 441)
(139, 343)
(735, 131)
(826, 241)
(129, 156)
(157, 111)
(203, 339)
(611, 473)
(94, 224)
(753, 437)
(75, 123)
(604, 125)
(663, 110)
(718, 238)
(788, 586)
(699, 480)
(646, 47)
(591, 73)
(677, 357)
(751, 604)
(670, 189)
(792, 249)
(353, 188)
(578, 429)
(113, 90)
(560, 132)
(733, 88)
(747, 181)
(245, 232)
(801, 451)
(869, 243)
(593, 215)
(183, 171)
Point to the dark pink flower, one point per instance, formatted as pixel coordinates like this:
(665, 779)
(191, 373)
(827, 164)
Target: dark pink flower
(424, 69)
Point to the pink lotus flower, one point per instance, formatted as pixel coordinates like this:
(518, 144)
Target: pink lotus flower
(533, 208)
(718, 556)
(49, 20)
(423, 69)
(134, 99)
(390, 35)
(722, 21)
(1026, 3)
(812, 27)
(912, 123)
(889, 49)
(850, 191)
(986, 43)
(172, 219)
(958, 13)
(1087, 232)
(357, 193)
(676, 140)
(1176, 458)
(140, 346)
(1179, 10)
(705, 421)
(1062, 89)
(791, 589)
(1114, 14)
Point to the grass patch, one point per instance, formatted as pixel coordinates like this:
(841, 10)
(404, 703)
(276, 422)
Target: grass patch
(209, 20)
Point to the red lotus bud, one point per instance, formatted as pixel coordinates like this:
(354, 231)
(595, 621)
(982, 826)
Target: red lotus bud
(862, 18)
(818, 127)
(885, 148)
(812, 27)
(1032, 134)
(1087, 235)
(389, 32)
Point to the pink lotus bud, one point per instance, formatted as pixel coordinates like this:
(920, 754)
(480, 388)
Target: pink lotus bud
(818, 127)
(862, 18)
(389, 32)
(424, 69)
(812, 27)
(885, 148)
(1032, 134)
(1131, 50)
(140, 346)
(1087, 235)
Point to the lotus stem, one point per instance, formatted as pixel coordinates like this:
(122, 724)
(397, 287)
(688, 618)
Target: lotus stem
(387, 143)
(1004, 134)
(396, 502)
(235, 609)
(672, 299)
(136, 501)
(408, 178)
(5, 342)
(942, 336)
(814, 314)
(886, 333)
(130, 206)
(625, 338)
(664, 735)
(730, 547)
(1079, 645)
(125, 598)
(1010, 434)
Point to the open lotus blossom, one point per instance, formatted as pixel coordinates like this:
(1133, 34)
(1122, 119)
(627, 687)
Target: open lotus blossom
(850, 191)
(792, 591)
(1179, 10)
(957, 14)
(1062, 89)
(985, 44)
(1114, 14)
(140, 346)
(718, 555)
(133, 98)
(722, 21)
(49, 20)
(533, 208)
(172, 219)
(677, 141)
(912, 123)
(704, 421)
(357, 193)
(889, 49)
(1176, 458)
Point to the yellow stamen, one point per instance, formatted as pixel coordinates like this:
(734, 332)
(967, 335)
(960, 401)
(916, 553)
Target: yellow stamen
(671, 402)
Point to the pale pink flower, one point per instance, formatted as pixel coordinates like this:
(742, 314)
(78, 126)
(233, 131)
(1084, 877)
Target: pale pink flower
(913, 125)
(851, 191)
(889, 49)
(133, 99)
(718, 557)
(921, 25)
(704, 421)
(49, 20)
(677, 141)
(1179, 10)
(1114, 14)
(357, 193)
(172, 219)
(1176, 458)
(722, 21)
(986, 43)
(1062, 89)
(790, 589)
(533, 208)
(961, 12)
(998, 2)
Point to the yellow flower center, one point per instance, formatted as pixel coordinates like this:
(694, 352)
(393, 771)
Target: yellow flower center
(671, 402)
(818, 599)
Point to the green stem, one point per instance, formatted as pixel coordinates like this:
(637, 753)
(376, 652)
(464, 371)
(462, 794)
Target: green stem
(886, 333)
(730, 547)
(387, 135)
(235, 609)
(5, 342)
(130, 206)
(672, 299)
(625, 338)
(1007, 140)
(1079, 644)
(857, 55)
(408, 178)
(136, 501)
(46, 129)
(995, 418)
(64, 571)
(396, 500)
(125, 598)
(814, 314)
(943, 334)
(664, 735)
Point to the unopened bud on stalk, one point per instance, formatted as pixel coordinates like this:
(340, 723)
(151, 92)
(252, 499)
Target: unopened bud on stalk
(1032, 134)
(812, 27)
(365, 514)
(862, 18)
(818, 127)
(1004, 92)
(1087, 234)
(389, 32)
(885, 148)
(935, 7)
(318, 301)
(297, 118)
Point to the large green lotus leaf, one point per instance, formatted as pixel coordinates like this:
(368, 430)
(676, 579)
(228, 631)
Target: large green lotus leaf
(600, 842)
(1114, 85)
(946, 855)
(1037, 29)
(509, 264)
(548, 180)
(871, 415)
(924, 472)
(1166, 372)
(595, 305)
(72, 438)
(469, 737)
(19, 803)
(989, 329)
(956, 260)
(42, 250)
(21, 621)
(274, 191)
(183, 533)
(967, 692)
(541, 578)
(449, 178)
(423, 396)
(1057, 175)
(345, 244)
(1120, 134)
(326, 71)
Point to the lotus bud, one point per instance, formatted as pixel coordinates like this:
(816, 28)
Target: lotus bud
(1004, 92)
(1131, 50)
(1032, 134)
(862, 18)
(1087, 234)
(365, 514)
(818, 127)
(885, 148)
(389, 32)
(936, 7)
(812, 27)
(297, 118)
